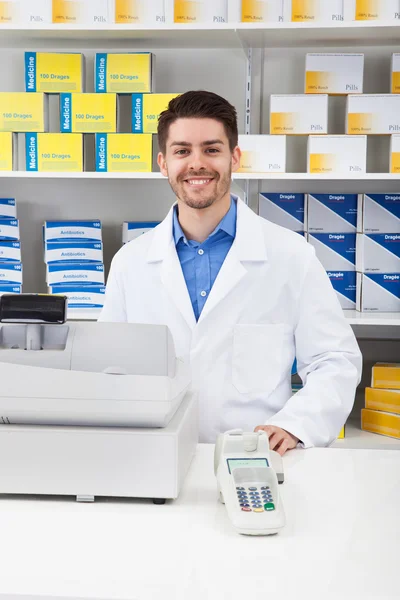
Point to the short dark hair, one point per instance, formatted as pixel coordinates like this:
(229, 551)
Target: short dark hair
(198, 105)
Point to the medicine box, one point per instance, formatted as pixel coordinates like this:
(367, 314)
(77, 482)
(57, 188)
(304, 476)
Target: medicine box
(134, 229)
(10, 251)
(10, 272)
(25, 12)
(394, 154)
(332, 213)
(335, 251)
(199, 11)
(395, 74)
(58, 231)
(54, 152)
(385, 400)
(377, 114)
(299, 114)
(340, 154)
(140, 12)
(8, 208)
(371, 10)
(23, 112)
(9, 229)
(88, 113)
(378, 252)
(284, 209)
(89, 296)
(8, 151)
(124, 152)
(54, 72)
(73, 251)
(83, 12)
(378, 292)
(10, 288)
(345, 285)
(334, 74)
(70, 273)
(124, 73)
(378, 213)
(262, 153)
(386, 376)
(261, 11)
(382, 423)
(146, 109)
(316, 10)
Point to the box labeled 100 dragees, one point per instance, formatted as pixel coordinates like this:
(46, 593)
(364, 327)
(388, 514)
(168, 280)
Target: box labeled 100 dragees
(88, 113)
(54, 152)
(54, 72)
(124, 152)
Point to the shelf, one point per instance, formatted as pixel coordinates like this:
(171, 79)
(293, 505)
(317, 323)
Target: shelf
(380, 319)
(356, 438)
(236, 176)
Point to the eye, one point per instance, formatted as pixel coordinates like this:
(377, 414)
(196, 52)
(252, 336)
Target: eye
(212, 150)
(181, 152)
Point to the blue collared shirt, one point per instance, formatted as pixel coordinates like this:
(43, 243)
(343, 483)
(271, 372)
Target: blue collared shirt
(201, 263)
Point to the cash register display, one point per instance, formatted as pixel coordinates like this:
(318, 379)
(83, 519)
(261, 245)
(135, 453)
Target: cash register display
(32, 308)
(234, 463)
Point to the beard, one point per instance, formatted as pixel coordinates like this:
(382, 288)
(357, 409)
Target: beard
(200, 199)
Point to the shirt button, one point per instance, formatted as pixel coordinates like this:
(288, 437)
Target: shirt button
(201, 252)
(203, 293)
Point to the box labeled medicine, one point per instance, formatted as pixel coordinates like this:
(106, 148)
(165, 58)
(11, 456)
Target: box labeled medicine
(23, 112)
(312, 11)
(54, 72)
(10, 288)
(335, 251)
(382, 423)
(140, 12)
(124, 73)
(341, 154)
(10, 272)
(372, 10)
(134, 229)
(82, 12)
(25, 11)
(54, 152)
(378, 252)
(146, 109)
(262, 153)
(378, 213)
(76, 251)
(10, 252)
(284, 209)
(70, 273)
(262, 11)
(88, 113)
(377, 114)
(395, 74)
(332, 213)
(200, 11)
(334, 74)
(299, 114)
(81, 296)
(124, 152)
(384, 400)
(9, 229)
(378, 292)
(386, 376)
(345, 285)
(395, 154)
(59, 231)
(8, 151)
(8, 208)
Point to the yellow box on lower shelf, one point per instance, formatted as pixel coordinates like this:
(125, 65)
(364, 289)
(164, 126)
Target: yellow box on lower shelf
(384, 400)
(124, 152)
(54, 152)
(386, 376)
(380, 422)
(341, 434)
(6, 151)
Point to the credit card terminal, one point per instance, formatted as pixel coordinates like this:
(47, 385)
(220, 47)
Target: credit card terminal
(248, 473)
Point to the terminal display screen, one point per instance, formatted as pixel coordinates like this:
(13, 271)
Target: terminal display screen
(234, 463)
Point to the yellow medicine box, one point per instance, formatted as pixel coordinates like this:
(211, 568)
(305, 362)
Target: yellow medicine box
(384, 400)
(88, 113)
(395, 154)
(261, 11)
(140, 12)
(380, 422)
(54, 72)
(146, 109)
(124, 152)
(386, 376)
(54, 152)
(7, 151)
(81, 12)
(22, 112)
(395, 73)
(124, 73)
(342, 434)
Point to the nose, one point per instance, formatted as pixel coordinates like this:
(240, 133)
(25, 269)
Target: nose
(197, 161)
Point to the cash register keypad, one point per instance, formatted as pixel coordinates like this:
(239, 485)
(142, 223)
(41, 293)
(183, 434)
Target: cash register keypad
(255, 498)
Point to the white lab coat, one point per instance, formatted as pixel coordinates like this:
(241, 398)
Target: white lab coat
(271, 301)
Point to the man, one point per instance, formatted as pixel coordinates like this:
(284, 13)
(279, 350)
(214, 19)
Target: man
(241, 296)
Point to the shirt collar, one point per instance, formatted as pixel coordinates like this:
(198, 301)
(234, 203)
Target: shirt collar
(227, 224)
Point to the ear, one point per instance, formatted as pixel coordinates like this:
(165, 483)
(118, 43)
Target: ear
(236, 154)
(162, 163)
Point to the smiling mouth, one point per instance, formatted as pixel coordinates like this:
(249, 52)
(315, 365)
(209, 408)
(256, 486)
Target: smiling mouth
(199, 182)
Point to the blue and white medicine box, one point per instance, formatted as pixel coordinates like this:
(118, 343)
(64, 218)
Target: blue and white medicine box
(9, 229)
(10, 272)
(70, 273)
(10, 288)
(378, 252)
(8, 208)
(332, 213)
(10, 251)
(379, 213)
(378, 292)
(335, 251)
(89, 231)
(286, 209)
(73, 251)
(81, 296)
(345, 285)
(133, 229)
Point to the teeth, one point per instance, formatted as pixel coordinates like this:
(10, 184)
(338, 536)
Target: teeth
(198, 181)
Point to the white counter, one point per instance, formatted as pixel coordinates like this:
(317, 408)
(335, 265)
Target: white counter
(342, 539)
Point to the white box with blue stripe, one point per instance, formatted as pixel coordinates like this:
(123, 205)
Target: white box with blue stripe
(89, 231)
(81, 296)
(9, 229)
(76, 251)
(378, 292)
(332, 213)
(10, 251)
(10, 272)
(73, 273)
(284, 209)
(335, 251)
(379, 213)
(133, 229)
(10, 288)
(378, 252)
(345, 285)
(8, 208)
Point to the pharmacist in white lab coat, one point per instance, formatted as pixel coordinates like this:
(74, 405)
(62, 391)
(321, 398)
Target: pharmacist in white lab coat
(242, 297)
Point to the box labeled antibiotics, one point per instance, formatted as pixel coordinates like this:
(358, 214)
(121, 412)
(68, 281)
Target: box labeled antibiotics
(59, 231)
(10, 272)
(124, 73)
(81, 296)
(54, 152)
(284, 209)
(299, 114)
(345, 285)
(395, 74)
(140, 12)
(10, 252)
(88, 113)
(200, 11)
(371, 10)
(377, 114)
(394, 154)
(82, 12)
(8, 208)
(334, 74)
(73, 251)
(262, 11)
(146, 109)
(379, 422)
(332, 213)
(8, 151)
(341, 154)
(386, 375)
(378, 213)
(25, 11)
(262, 153)
(134, 229)
(124, 152)
(335, 251)
(384, 400)
(378, 292)
(10, 288)
(311, 11)
(54, 72)
(9, 229)
(70, 273)
(378, 252)
(23, 112)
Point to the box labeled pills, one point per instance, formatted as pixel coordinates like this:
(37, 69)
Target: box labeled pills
(81, 296)
(378, 213)
(335, 251)
(54, 152)
(372, 10)
(140, 12)
(8, 208)
(300, 114)
(124, 152)
(385, 400)
(73, 251)
(332, 213)
(10, 252)
(334, 74)
(262, 153)
(88, 113)
(312, 11)
(9, 229)
(345, 285)
(54, 72)
(23, 112)
(284, 209)
(10, 288)
(200, 11)
(378, 292)
(25, 12)
(8, 151)
(10, 272)
(386, 376)
(377, 114)
(82, 12)
(59, 231)
(146, 109)
(262, 11)
(134, 229)
(124, 73)
(395, 74)
(70, 273)
(341, 154)
(395, 154)
(378, 252)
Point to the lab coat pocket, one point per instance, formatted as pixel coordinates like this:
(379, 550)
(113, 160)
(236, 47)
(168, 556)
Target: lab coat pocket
(257, 359)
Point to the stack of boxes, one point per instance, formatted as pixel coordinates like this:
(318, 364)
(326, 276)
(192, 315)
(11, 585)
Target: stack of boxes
(10, 248)
(382, 401)
(134, 229)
